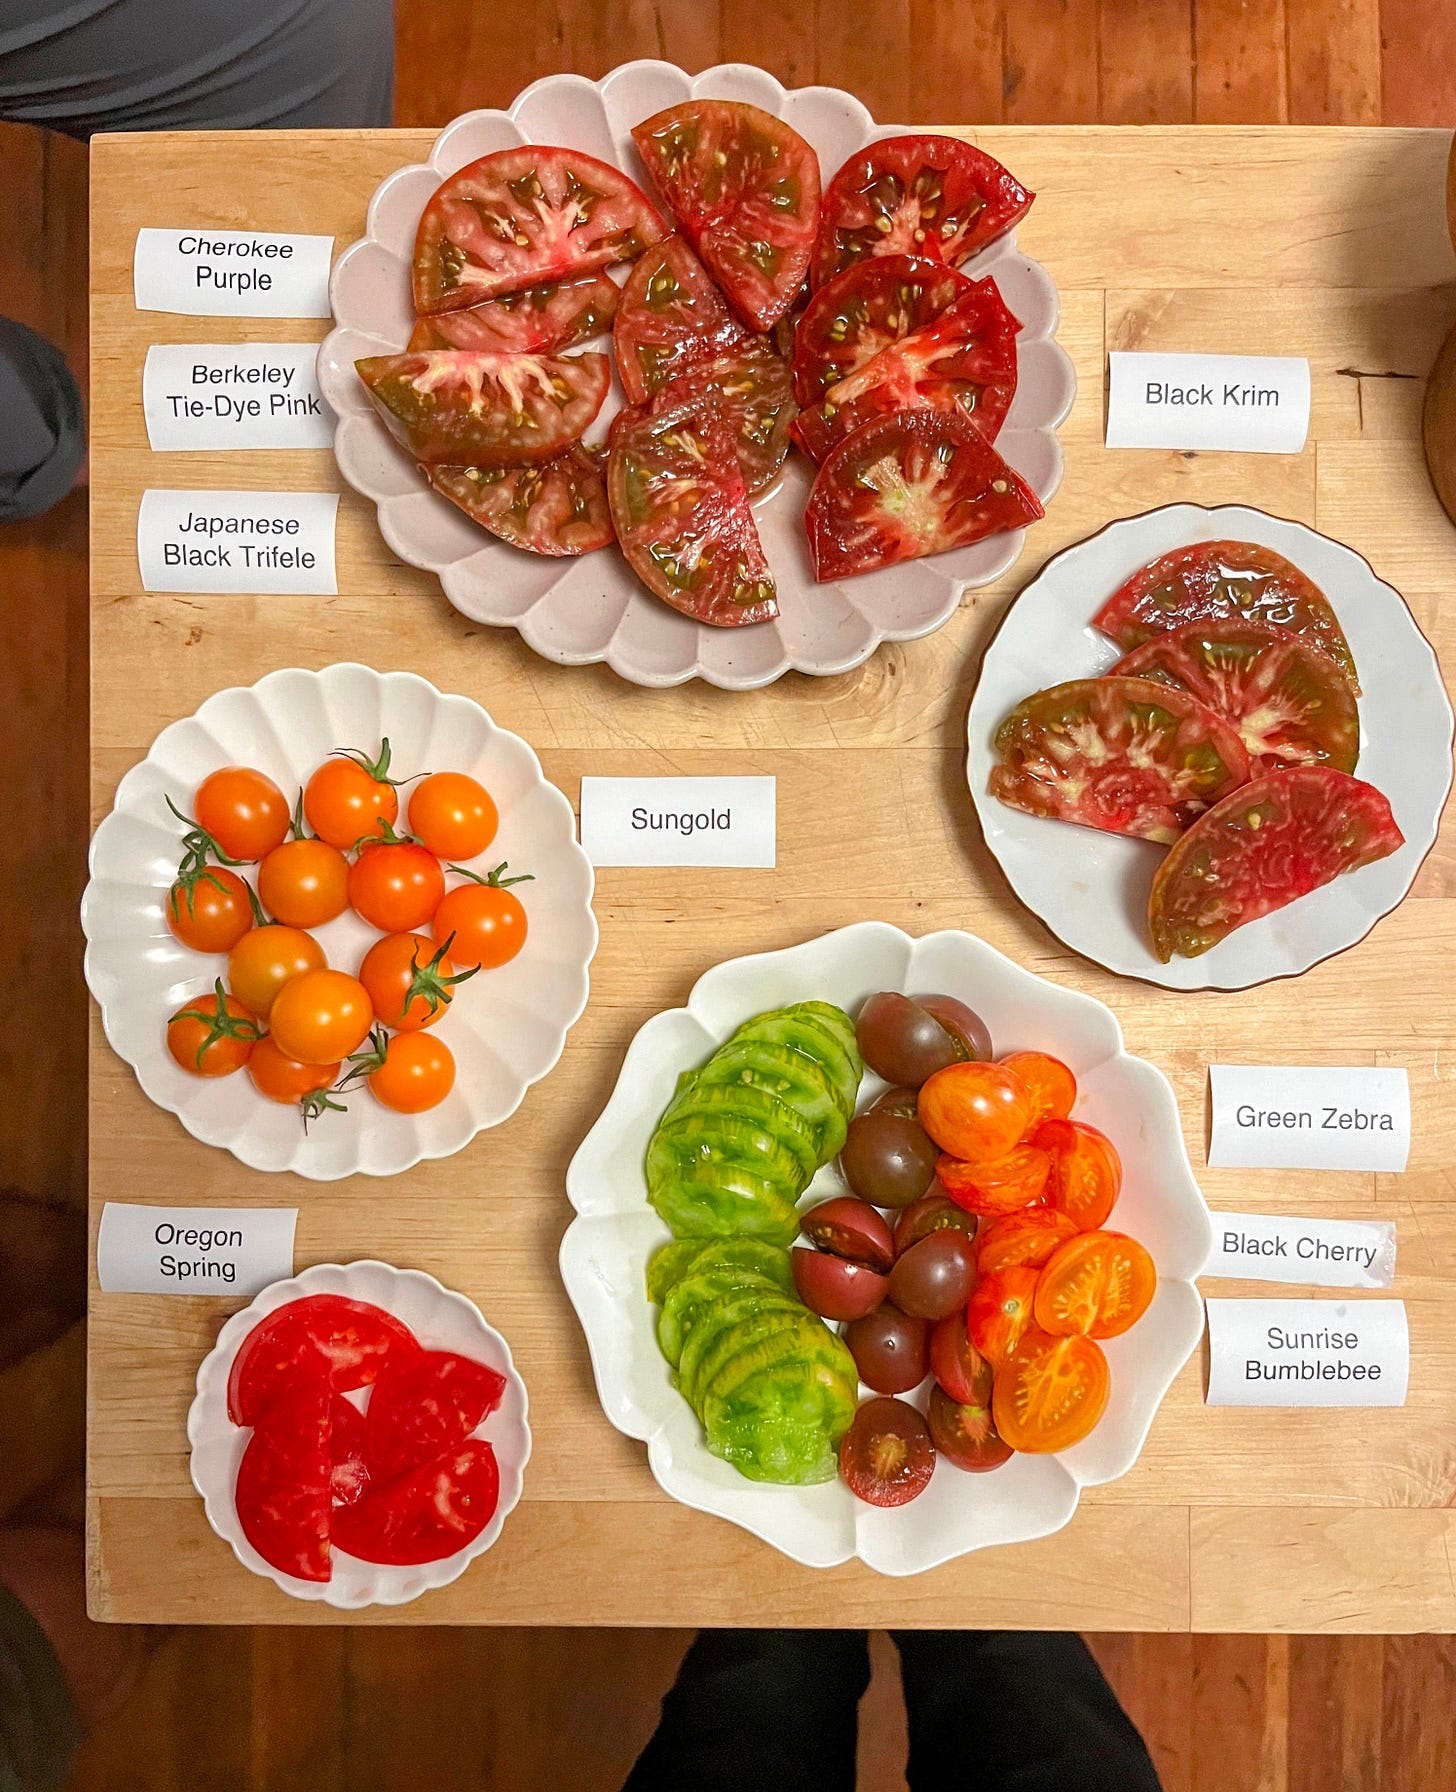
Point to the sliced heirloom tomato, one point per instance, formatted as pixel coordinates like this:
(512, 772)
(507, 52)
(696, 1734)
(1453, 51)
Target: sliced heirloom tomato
(862, 311)
(523, 217)
(1050, 1392)
(284, 1487)
(429, 1513)
(965, 1433)
(559, 507)
(904, 486)
(1122, 754)
(1263, 847)
(744, 186)
(1085, 1177)
(462, 408)
(671, 315)
(425, 1404)
(752, 388)
(1215, 580)
(916, 195)
(319, 1340)
(886, 1457)
(1100, 1283)
(682, 515)
(538, 320)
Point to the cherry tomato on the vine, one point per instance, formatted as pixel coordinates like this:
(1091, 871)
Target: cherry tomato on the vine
(285, 1080)
(410, 980)
(351, 796)
(452, 815)
(304, 882)
(395, 885)
(212, 1035)
(408, 1072)
(242, 810)
(486, 918)
(210, 908)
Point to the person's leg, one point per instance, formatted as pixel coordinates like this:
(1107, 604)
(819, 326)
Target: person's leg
(1015, 1711)
(755, 1708)
(42, 435)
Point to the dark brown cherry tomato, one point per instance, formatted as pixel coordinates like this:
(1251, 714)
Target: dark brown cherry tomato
(886, 1457)
(935, 1276)
(891, 1349)
(835, 1288)
(888, 1157)
(965, 1433)
(906, 1039)
(956, 1363)
(933, 1212)
(850, 1229)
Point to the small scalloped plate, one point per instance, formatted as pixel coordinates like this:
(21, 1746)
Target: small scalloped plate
(442, 1320)
(506, 1029)
(579, 611)
(1090, 888)
(607, 1245)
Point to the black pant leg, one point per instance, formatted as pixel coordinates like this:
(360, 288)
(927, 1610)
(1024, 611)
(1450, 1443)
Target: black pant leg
(759, 1708)
(1015, 1711)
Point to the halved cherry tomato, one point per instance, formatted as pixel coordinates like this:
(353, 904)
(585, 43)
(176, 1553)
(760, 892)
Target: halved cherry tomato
(559, 507)
(286, 1081)
(537, 320)
(1051, 1086)
(1100, 1283)
(351, 796)
(956, 1363)
(265, 959)
(834, 1287)
(974, 1111)
(1000, 1311)
(209, 908)
(886, 1457)
(484, 918)
(395, 885)
(320, 1017)
(304, 883)
(1050, 1392)
(1022, 1240)
(410, 980)
(852, 1229)
(935, 1275)
(965, 1433)
(1002, 1186)
(452, 815)
(932, 1212)
(243, 810)
(408, 1072)
(872, 304)
(212, 1035)
(1085, 1178)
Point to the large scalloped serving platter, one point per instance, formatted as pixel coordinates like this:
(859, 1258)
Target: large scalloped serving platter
(607, 1245)
(506, 1029)
(592, 608)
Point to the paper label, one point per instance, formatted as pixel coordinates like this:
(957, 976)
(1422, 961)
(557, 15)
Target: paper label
(679, 821)
(232, 273)
(1307, 1353)
(1264, 1247)
(237, 541)
(193, 1250)
(1252, 404)
(1309, 1117)
(202, 396)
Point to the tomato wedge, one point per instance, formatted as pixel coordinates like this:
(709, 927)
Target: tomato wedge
(1263, 847)
(886, 1457)
(916, 195)
(862, 311)
(523, 217)
(963, 361)
(1100, 1283)
(1085, 1177)
(320, 1340)
(1215, 580)
(682, 515)
(432, 1512)
(283, 1487)
(752, 388)
(349, 1471)
(671, 316)
(1290, 702)
(464, 408)
(1050, 1393)
(1121, 754)
(538, 320)
(909, 485)
(559, 507)
(744, 186)
(426, 1404)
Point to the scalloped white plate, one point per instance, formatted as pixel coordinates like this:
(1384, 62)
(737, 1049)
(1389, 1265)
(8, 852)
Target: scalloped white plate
(606, 1247)
(441, 1320)
(1090, 888)
(507, 1027)
(592, 608)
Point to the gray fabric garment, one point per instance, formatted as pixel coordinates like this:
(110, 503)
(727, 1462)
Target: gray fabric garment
(39, 1728)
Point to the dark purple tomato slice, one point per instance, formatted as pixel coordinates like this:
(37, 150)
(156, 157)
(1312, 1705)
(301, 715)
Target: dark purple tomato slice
(425, 1405)
(752, 387)
(671, 316)
(538, 320)
(906, 1039)
(1214, 580)
(319, 1341)
(559, 507)
(744, 187)
(1265, 846)
(682, 515)
(965, 1433)
(462, 408)
(835, 1288)
(283, 1487)
(916, 195)
(526, 217)
(1122, 754)
(886, 1457)
(887, 1157)
(963, 361)
(428, 1514)
(919, 483)
(862, 311)
(851, 1229)
(1290, 702)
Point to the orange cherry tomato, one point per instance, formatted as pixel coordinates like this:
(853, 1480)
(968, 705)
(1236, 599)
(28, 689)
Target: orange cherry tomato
(1050, 1085)
(304, 883)
(396, 885)
(975, 1112)
(320, 1017)
(243, 810)
(452, 815)
(265, 959)
(1086, 1173)
(1099, 1283)
(483, 920)
(285, 1080)
(1000, 1311)
(410, 980)
(1050, 1392)
(411, 1072)
(212, 1035)
(1022, 1240)
(209, 909)
(1002, 1186)
(350, 796)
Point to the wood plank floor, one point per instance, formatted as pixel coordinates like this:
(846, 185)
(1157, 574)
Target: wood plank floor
(274, 1710)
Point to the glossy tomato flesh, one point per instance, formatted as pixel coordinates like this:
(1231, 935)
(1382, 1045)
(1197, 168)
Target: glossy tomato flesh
(886, 1457)
(283, 1491)
(1085, 1177)
(956, 1363)
(318, 1339)
(424, 1403)
(999, 1313)
(851, 1229)
(863, 310)
(559, 507)
(1049, 1083)
(1023, 1240)
(976, 1112)
(432, 1512)
(671, 317)
(965, 1433)
(1001, 1186)
(1050, 1392)
(537, 320)
(1099, 1283)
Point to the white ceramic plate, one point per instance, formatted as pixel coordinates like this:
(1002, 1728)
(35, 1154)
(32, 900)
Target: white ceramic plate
(441, 1320)
(592, 608)
(1090, 888)
(605, 1250)
(506, 1028)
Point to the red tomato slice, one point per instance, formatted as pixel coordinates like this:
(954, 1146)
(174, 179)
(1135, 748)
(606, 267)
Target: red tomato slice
(426, 1404)
(1214, 580)
(965, 1432)
(1085, 1177)
(1290, 702)
(744, 186)
(753, 389)
(671, 316)
(1263, 847)
(321, 1340)
(1121, 754)
(524, 217)
(682, 515)
(461, 408)
(350, 1474)
(916, 195)
(559, 507)
(909, 485)
(538, 320)
(963, 361)
(861, 312)
(427, 1514)
(283, 1487)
